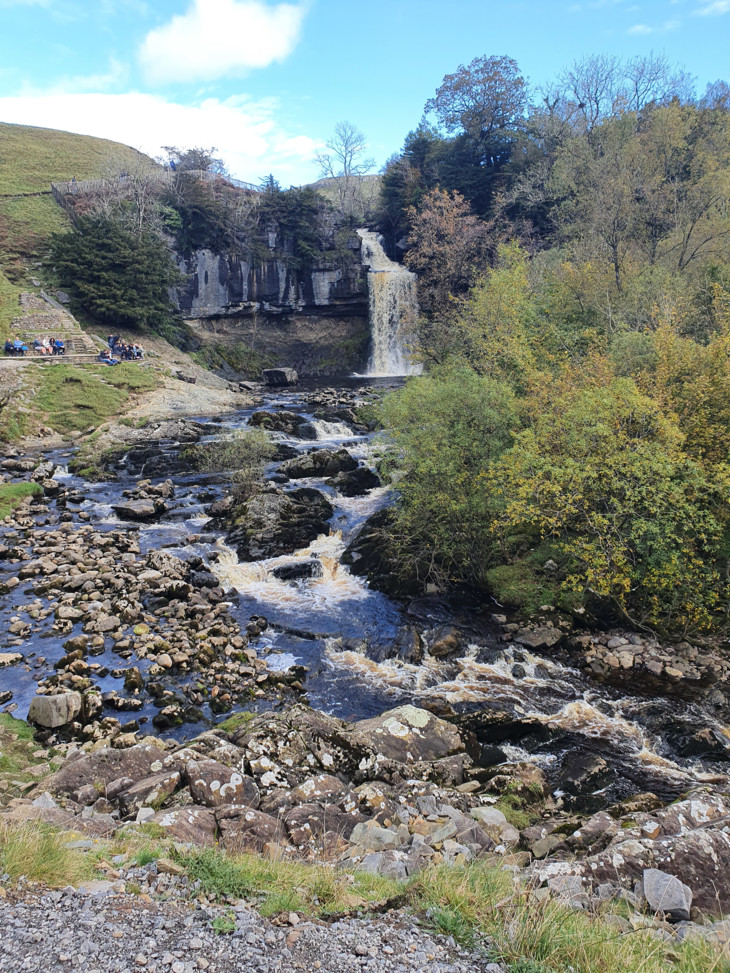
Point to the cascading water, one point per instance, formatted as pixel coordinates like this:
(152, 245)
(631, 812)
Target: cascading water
(393, 310)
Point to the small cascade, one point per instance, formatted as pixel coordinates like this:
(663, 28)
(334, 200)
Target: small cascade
(331, 430)
(393, 310)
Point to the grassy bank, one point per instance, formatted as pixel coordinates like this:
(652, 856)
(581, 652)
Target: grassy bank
(11, 494)
(478, 904)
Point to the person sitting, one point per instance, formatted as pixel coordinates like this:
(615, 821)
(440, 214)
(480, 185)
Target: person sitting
(105, 357)
(137, 352)
(9, 349)
(113, 340)
(47, 346)
(59, 347)
(38, 347)
(20, 347)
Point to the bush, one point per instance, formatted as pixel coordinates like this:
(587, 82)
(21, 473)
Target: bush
(446, 429)
(243, 455)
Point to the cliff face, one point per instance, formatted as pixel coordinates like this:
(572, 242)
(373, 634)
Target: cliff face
(315, 320)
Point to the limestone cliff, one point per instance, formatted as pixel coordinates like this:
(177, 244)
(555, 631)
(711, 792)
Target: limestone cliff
(315, 319)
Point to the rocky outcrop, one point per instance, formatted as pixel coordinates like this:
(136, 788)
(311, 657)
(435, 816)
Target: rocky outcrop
(274, 523)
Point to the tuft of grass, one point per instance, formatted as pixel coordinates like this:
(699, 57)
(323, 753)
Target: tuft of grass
(284, 886)
(481, 902)
(147, 854)
(11, 494)
(38, 853)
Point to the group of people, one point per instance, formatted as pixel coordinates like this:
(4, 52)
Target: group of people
(14, 346)
(49, 346)
(41, 346)
(119, 350)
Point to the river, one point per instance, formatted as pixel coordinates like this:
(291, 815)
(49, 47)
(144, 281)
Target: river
(315, 623)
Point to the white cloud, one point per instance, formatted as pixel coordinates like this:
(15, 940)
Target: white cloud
(116, 74)
(216, 38)
(717, 7)
(245, 132)
(640, 29)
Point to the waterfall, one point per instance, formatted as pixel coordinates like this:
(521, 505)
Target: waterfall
(393, 309)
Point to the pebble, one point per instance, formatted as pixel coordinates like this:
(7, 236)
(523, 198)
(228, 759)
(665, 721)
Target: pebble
(114, 934)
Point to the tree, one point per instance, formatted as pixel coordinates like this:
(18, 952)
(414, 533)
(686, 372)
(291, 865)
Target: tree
(346, 162)
(601, 475)
(196, 159)
(487, 100)
(448, 246)
(128, 193)
(118, 278)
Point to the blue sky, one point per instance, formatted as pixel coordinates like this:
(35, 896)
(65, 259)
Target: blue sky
(266, 82)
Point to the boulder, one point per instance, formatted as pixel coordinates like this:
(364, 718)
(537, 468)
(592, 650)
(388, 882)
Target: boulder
(299, 570)
(408, 735)
(324, 788)
(665, 893)
(286, 749)
(320, 462)
(245, 829)
(53, 711)
(191, 824)
(311, 825)
(282, 421)
(539, 637)
(355, 483)
(699, 859)
(279, 376)
(151, 792)
(140, 509)
(370, 554)
(102, 768)
(214, 784)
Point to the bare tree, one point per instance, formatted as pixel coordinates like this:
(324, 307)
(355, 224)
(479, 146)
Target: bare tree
(347, 163)
(128, 193)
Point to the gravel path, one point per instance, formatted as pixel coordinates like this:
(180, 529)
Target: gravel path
(108, 932)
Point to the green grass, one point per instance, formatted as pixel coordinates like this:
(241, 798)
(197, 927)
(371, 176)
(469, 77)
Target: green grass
(478, 904)
(9, 304)
(238, 357)
(236, 721)
(39, 853)
(284, 886)
(11, 494)
(72, 397)
(127, 375)
(544, 936)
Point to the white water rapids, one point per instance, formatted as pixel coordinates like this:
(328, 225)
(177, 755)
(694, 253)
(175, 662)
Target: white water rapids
(393, 310)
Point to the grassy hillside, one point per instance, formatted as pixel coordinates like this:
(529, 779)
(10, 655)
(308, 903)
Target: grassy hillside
(30, 159)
